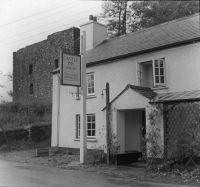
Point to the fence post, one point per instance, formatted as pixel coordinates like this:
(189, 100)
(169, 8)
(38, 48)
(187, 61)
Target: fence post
(165, 130)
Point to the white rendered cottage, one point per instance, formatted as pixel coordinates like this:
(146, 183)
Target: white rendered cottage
(157, 63)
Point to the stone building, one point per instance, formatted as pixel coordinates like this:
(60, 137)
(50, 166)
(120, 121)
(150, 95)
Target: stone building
(33, 64)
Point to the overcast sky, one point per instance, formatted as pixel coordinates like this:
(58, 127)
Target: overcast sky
(24, 22)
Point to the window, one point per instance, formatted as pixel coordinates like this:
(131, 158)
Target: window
(31, 89)
(159, 73)
(152, 73)
(91, 125)
(30, 69)
(78, 126)
(90, 83)
(56, 63)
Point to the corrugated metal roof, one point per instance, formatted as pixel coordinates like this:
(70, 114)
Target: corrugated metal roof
(176, 31)
(178, 96)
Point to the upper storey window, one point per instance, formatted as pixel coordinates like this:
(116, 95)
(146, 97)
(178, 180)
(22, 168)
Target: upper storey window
(90, 84)
(152, 73)
(159, 72)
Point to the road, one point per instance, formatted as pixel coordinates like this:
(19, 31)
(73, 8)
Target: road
(22, 175)
(14, 174)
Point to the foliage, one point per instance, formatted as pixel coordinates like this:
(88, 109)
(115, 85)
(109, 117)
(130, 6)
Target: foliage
(96, 156)
(9, 76)
(40, 133)
(183, 145)
(10, 93)
(115, 14)
(11, 110)
(129, 16)
(15, 115)
(22, 144)
(114, 148)
(187, 144)
(155, 12)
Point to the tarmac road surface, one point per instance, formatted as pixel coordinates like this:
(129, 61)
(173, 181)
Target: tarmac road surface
(14, 174)
(22, 175)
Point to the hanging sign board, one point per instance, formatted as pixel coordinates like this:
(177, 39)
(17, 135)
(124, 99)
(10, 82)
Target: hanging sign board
(71, 70)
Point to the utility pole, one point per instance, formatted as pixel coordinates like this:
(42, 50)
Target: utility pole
(108, 121)
(83, 137)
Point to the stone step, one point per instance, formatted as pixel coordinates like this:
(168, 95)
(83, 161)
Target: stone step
(42, 152)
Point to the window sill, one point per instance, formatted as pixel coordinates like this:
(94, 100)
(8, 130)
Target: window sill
(159, 88)
(88, 97)
(91, 96)
(88, 139)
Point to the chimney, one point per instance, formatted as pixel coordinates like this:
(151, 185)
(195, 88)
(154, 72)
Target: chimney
(91, 17)
(95, 32)
(95, 19)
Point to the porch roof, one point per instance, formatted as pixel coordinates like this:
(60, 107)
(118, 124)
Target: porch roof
(184, 96)
(144, 91)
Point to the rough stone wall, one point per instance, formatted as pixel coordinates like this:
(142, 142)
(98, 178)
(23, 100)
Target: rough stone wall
(42, 57)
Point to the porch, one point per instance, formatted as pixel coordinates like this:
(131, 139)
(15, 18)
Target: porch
(131, 125)
(129, 122)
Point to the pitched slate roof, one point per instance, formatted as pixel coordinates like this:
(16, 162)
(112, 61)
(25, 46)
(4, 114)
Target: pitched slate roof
(144, 91)
(176, 32)
(178, 96)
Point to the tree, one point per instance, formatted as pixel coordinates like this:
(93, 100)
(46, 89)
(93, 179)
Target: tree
(115, 14)
(129, 16)
(10, 78)
(156, 12)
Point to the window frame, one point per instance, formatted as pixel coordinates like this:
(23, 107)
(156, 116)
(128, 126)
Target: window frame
(152, 61)
(78, 120)
(93, 93)
(159, 84)
(91, 129)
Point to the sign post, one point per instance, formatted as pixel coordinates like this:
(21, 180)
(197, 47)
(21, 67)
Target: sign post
(73, 75)
(71, 70)
(83, 136)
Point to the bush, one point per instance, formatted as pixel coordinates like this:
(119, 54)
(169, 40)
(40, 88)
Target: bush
(96, 157)
(19, 115)
(153, 153)
(16, 118)
(40, 133)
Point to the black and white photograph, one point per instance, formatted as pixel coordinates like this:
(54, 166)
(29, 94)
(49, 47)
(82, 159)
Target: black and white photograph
(99, 93)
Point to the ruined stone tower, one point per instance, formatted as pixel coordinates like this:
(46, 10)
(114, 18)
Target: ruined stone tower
(33, 64)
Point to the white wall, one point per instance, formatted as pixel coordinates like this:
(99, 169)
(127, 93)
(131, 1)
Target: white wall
(54, 131)
(95, 33)
(182, 67)
(120, 123)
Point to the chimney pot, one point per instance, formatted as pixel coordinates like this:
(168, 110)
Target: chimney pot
(95, 18)
(91, 17)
